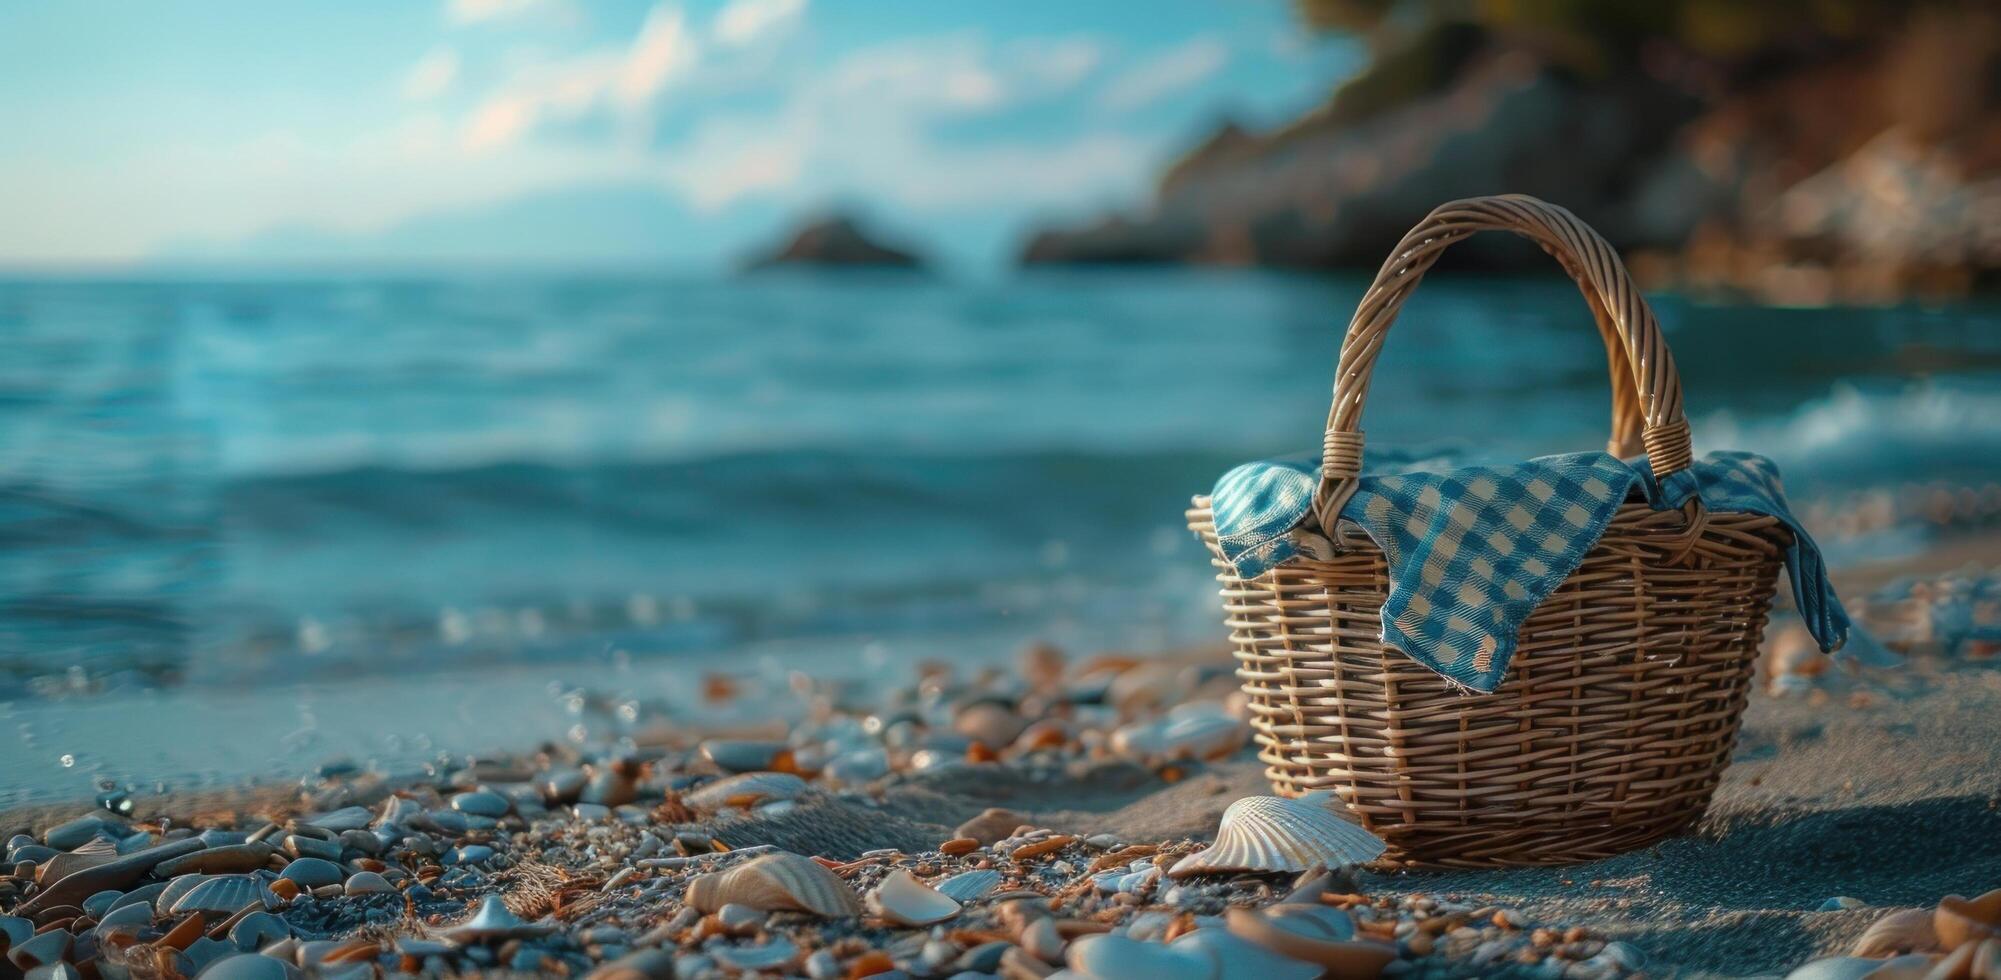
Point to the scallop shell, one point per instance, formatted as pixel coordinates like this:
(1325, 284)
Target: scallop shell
(904, 900)
(494, 921)
(1271, 833)
(760, 787)
(90, 854)
(782, 881)
(1959, 921)
(971, 886)
(1909, 931)
(225, 895)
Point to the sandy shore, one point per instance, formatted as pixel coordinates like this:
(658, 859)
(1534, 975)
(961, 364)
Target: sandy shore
(1882, 787)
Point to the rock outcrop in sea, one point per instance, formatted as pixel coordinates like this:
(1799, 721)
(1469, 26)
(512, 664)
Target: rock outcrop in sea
(834, 241)
(1799, 167)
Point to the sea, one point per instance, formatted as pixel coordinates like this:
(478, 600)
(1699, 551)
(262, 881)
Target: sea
(254, 526)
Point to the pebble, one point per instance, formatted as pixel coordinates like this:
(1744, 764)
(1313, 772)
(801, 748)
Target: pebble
(823, 965)
(257, 930)
(300, 846)
(1041, 940)
(228, 859)
(312, 873)
(248, 966)
(345, 818)
(739, 920)
(991, 826)
(481, 803)
(368, 883)
(742, 755)
(75, 833)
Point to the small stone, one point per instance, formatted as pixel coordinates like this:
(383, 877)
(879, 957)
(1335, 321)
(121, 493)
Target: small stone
(743, 755)
(1042, 941)
(481, 803)
(1017, 963)
(248, 966)
(1841, 903)
(608, 787)
(230, 859)
(739, 920)
(257, 930)
(310, 873)
(126, 918)
(823, 965)
(644, 964)
(48, 947)
(301, 846)
(991, 826)
(475, 854)
(986, 723)
(345, 818)
(76, 833)
(958, 846)
(368, 883)
(96, 905)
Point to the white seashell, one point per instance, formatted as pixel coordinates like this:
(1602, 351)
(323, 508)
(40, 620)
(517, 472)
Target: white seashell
(226, 895)
(758, 787)
(904, 900)
(781, 881)
(1271, 833)
(494, 921)
(970, 886)
(1908, 931)
(89, 854)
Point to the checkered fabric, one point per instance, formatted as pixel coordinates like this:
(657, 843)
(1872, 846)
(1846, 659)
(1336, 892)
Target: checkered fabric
(1473, 550)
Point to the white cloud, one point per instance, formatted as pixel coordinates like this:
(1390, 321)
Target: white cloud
(432, 75)
(475, 11)
(1060, 63)
(1174, 70)
(662, 51)
(743, 22)
(864, 129)
(624, 79)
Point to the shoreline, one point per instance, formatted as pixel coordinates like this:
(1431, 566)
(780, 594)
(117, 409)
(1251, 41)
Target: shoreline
(1854, 792)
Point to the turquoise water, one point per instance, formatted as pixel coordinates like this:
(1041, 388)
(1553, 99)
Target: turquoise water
(286, 520)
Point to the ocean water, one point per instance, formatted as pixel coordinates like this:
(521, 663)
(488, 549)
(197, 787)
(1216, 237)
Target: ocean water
(247, 526)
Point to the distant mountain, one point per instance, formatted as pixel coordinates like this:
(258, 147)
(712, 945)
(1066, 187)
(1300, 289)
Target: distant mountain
(619, 225)
(836, 241)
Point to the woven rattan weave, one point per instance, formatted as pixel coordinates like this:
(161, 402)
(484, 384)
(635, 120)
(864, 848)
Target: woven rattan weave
(1621, 705)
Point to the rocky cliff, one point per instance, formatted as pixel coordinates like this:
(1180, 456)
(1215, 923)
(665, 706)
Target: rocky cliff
(1856, 169)
(835, 241)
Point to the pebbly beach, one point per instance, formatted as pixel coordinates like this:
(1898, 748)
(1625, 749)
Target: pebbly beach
(1020, 821)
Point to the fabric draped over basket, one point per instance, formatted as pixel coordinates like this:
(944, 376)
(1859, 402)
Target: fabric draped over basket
(1473, 550)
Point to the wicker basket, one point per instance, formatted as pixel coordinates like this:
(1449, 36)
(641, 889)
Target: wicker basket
(1621, 704)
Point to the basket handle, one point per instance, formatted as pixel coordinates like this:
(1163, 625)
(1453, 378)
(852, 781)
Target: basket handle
(1645, 397)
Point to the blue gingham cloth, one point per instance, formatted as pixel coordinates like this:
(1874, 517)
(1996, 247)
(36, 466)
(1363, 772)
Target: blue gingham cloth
(1472, 550)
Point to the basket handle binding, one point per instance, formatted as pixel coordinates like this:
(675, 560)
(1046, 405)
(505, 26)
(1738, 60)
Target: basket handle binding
(1647, 396)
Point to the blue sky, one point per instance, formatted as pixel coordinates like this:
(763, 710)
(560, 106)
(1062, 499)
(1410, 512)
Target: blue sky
(565, 131)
